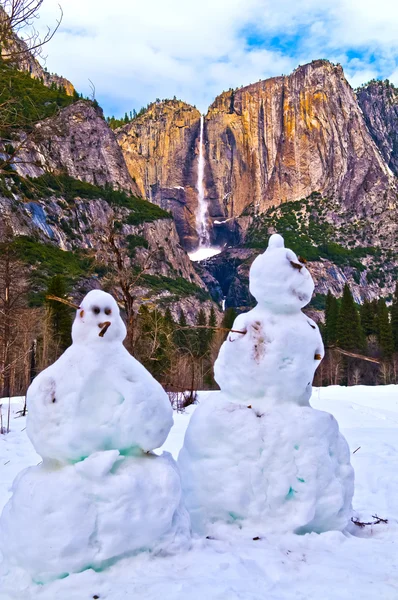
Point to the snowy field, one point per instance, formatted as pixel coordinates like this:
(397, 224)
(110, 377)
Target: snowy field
(363, 564)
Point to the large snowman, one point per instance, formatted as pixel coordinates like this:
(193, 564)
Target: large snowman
(100, 493)
(257, 455)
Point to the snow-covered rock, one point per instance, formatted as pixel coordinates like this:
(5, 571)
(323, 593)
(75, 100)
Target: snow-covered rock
(258, 455)
(96, 396)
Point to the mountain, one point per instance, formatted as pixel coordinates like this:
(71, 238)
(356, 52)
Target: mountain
(67, 198)
(302, 154)
(76, 141)
(274, 141)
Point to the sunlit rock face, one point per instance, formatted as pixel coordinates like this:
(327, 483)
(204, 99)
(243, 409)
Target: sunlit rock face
(283, 138)
(161, 149)
(274, 141)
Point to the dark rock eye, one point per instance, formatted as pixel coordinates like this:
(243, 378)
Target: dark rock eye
(108, 311)
(96, 310)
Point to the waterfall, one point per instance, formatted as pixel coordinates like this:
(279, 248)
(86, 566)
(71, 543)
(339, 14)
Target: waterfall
(204, 249)
(201, 212)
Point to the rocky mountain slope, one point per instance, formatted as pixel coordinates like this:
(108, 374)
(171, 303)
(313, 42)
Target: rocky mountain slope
(299, 154)
(379, 103)
(305, 138)
(275, 141)
(14, 49)
(68, 199)
(160, 150)
(76, 141)
(62, 225)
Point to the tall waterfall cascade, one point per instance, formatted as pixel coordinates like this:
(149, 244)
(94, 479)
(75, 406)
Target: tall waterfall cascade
(201, 211)
(204, 250)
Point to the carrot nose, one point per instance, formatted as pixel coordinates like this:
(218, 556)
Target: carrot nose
(104, 328)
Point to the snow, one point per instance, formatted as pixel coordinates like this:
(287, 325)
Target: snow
(284, 566)
(286, 471)
(62, 520)
(203, 252)
(258, 457)
(99, 494)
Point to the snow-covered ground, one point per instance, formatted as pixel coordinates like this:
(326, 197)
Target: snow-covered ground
(330, 566)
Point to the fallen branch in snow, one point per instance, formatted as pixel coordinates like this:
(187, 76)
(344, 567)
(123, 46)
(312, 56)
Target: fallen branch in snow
(359, 447)
(362, 524)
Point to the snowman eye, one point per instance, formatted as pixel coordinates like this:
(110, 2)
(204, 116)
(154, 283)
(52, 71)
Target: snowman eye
(108, 311)
(96, 310)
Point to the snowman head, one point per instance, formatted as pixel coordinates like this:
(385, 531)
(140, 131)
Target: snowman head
(98, 320)
(279, 280)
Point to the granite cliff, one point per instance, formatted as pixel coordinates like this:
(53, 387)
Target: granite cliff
(275, 141)
(160, 148)
(379, 103)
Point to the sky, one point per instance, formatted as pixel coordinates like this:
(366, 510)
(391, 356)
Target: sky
(137, 51)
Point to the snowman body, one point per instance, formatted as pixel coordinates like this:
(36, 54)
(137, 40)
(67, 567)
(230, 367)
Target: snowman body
(96, 396)
(256, 455)
(272, 361)
(99, 494)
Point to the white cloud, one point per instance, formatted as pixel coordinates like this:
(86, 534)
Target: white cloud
(135, 51)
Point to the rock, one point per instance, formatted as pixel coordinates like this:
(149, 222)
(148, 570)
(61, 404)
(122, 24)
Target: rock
(281, 139)
(160, 148)
(274, 141)
(379, 103)
(17, 50)
(79, 142)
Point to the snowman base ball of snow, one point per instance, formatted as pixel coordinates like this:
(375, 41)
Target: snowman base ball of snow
(287, 470)
(94, 416)
(62, 520)
(257, 455)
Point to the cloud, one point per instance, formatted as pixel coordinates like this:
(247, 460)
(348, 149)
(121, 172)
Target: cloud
(136, 51)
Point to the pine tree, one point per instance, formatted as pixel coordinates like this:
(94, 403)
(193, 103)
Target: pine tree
(168, 317)
(229, 317)
(385, 335)
(349, 332)
(331, 318)
(182, 335)
(60, 314)
(202, 334)
(368, 312)
(394, 318)
(212, 323)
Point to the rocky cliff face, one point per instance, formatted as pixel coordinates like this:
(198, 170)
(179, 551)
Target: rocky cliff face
(161, 148)
(379, 103)
(15, 50)
(275, 141)
(77, 141)
(161, 273)
(281, 139)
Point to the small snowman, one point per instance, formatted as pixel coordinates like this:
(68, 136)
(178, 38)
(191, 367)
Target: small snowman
(257, 454)
(100, 493)
(96, 396)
